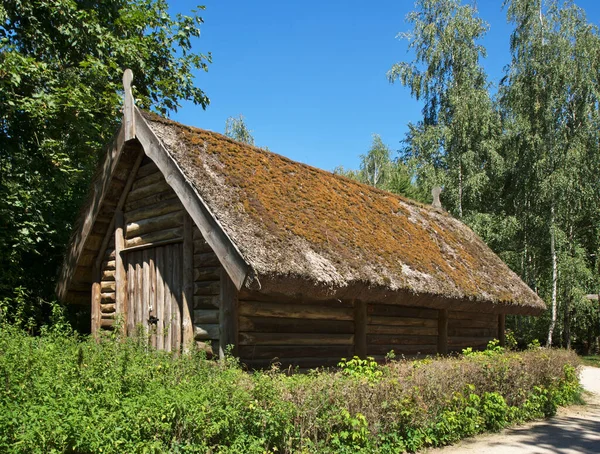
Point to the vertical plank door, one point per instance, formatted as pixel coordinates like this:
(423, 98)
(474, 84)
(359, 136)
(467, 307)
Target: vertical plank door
(155, 295)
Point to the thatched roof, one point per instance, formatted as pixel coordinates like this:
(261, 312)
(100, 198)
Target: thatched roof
(306, 231)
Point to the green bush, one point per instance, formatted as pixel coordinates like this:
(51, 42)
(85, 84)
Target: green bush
(63, 393)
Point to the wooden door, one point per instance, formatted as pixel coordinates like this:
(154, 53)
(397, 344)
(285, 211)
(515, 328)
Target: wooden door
(154, 295)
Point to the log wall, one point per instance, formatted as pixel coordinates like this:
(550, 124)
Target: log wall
(294, 333)
(207, 272)
(471, 329)
(107, 287)
(409, 331)
(154, 216)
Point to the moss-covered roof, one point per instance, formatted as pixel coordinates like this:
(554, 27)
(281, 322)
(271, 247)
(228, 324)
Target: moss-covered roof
(299, 222)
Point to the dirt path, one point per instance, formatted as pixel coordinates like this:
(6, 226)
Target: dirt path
(574, 430)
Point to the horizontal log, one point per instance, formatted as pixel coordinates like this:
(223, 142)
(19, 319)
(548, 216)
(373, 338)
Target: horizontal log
(294, 325)
(291, 363)
(157, 209)
(201, 246)
(212, 273)
(207, 259)
(107, 286)
(246, 338)
(206, 332)
(473, 332)
(108, 308)
(146, 191)
(393, 339)
(260, 309)
(468, 341)
(206, 302)
(409, 350)
(267, 298)
(207, 288)
(146, 170)
(390, 310)
(149, 201)
(108, 275)
(107, 323)
(402, 321)
(107, 297)
(147, 180)
(109, 265)
(109, 254)
(402, 330)
(155, 237)
(458, 324)
(159, 223)
(283, 352)
(203, 316)
(482, 316)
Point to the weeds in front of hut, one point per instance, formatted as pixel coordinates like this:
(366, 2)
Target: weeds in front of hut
(63, 392)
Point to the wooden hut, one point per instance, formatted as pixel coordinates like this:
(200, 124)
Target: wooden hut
(198, 238)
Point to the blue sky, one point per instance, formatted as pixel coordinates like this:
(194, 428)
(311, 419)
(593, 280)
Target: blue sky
(310, 77)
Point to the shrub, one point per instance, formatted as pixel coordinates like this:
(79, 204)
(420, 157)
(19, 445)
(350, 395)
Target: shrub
(63, 393)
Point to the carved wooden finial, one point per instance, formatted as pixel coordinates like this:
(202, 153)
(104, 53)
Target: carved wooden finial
(435, 192)
(128, 106)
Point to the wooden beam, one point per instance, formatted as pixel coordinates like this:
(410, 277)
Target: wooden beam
(95, 303)
(229, 256)
(502, 329)
(442, 336)
(128, 106)
(228, 315)
(360, 329)
(188, 282)
(120, 272)
(120, 204)
(100, 189)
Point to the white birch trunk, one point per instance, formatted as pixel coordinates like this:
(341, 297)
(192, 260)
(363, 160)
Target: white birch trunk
(554, 278)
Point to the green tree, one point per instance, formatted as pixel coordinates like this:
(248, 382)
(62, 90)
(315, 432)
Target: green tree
(378, 169)
(550, 99)
(61, 64)
(454, 144)
(236, 129)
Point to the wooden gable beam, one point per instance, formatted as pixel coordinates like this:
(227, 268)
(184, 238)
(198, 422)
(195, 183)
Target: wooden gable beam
(227, 252)
(100, 189)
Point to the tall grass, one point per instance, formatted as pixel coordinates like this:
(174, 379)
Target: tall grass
(64, 393)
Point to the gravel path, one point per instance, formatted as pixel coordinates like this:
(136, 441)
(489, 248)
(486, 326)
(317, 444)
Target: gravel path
(573, 430)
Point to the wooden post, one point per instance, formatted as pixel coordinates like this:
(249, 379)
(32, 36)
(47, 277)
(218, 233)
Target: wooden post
(442, 344)
(188, 282)
(96, 296)
(120, 272)
(128, 105)
(360, 329)
(502, 329)
(228, 315)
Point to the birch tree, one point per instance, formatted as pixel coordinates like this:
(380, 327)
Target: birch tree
(550, 101)
(453, 145)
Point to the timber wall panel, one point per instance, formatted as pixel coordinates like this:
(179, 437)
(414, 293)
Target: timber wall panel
(407, 331)
(206, 295)
(107, 287)
(471, 329)
(294, 333)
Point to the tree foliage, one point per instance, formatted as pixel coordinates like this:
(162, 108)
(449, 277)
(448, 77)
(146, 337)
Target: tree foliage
(60, 75)
(236, 129)
(378, 169)
(452, 146)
